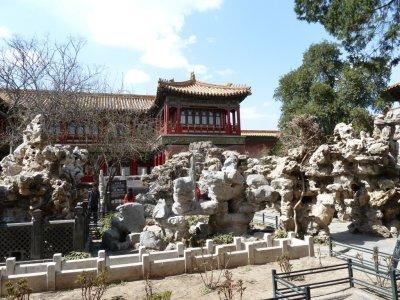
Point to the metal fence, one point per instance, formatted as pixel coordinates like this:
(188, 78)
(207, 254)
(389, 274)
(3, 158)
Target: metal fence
(375, 263)
(283, 288)
(271, 221)
(40, 239)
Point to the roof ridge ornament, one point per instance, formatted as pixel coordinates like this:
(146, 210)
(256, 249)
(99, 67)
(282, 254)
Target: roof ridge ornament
(192, 76)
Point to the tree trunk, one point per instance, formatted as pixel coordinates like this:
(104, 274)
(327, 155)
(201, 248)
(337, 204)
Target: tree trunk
(299, 204)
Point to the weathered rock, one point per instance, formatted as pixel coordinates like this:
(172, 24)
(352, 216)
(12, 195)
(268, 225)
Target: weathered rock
(161, 210)
(131, 217)
(38, 175)
(151, 238)
(200, 231)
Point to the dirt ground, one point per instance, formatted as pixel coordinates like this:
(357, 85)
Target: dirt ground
(257, 280)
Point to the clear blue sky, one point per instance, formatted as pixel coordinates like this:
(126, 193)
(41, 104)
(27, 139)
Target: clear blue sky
(240, 41)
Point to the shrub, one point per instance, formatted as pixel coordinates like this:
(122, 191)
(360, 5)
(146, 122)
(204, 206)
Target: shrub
(106, 221)
(284, 263)
(220, 239)
(19, 290)
(74, 255)
(192, 220)
(92, 287)
(320, 240)
(229, 288)
(151, 295)
(280, 234)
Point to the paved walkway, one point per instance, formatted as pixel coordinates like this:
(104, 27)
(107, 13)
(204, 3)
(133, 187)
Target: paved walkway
(340, 233)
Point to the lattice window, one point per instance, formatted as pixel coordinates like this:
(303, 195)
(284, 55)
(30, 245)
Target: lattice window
(15, 241)
(57, 238)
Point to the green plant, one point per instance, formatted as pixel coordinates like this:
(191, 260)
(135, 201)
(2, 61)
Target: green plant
(287, 267)
(229, 288)
(206, 268)
(280, 234)
(92, 287)
(378, 261)
(19, 290)
(74, 255)
(151, 295)
(320, 240)
(284, 263)
(192, 220)
(220, 239)
(106, 221)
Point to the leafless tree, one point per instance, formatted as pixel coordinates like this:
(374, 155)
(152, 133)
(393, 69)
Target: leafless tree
(305, 134)
(119, 135)
(39, 77)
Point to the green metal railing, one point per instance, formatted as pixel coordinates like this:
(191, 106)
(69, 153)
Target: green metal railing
(382, 272)
(284, 288)
(272, 221)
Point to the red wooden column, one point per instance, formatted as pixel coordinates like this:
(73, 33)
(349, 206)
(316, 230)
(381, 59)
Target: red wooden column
(134, 166)
(166, 108)
(239, 130)
(154, 160)
(229, 127)
(178, 128)
(63, 132)
(163, 158)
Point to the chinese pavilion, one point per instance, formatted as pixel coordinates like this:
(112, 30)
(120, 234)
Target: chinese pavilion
(185, 112)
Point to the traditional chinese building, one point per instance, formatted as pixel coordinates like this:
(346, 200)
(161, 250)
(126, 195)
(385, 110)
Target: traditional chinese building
(185, 112)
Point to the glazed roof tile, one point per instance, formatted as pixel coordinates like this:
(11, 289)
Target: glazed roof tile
(266, 133)
(95, 100)
(199, 88)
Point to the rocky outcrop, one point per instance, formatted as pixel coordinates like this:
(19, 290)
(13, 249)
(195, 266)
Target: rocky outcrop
(39, 175)
(131, 217)
(355, 177)
(126, 227)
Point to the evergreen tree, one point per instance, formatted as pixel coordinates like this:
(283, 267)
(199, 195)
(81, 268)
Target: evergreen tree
(332, 89)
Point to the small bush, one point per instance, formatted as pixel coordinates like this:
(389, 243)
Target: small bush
(284, 263)
(287, 267)
(320, 240)
(280, 234)
(74, 255)
(92, 287)
(19, 290)
(106, 221)
(192, 220)
(165, 295)
(220, 239)
(229, 288)
(151, 295)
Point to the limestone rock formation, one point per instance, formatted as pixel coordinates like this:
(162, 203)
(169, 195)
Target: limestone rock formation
(131, 217)
(39, 175)
(355, 178)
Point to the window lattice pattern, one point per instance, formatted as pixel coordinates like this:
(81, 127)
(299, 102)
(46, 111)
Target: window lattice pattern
(57, 238)
(15, 241)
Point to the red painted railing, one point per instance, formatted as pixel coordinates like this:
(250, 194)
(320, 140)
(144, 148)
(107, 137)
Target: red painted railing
(177, 128)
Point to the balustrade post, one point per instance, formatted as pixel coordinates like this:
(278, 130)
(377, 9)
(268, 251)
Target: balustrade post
(79, 238)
